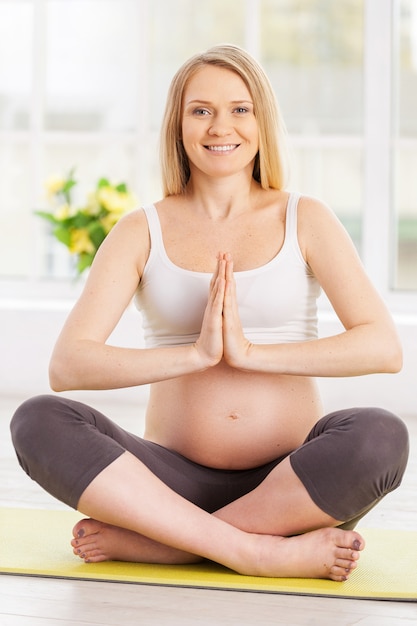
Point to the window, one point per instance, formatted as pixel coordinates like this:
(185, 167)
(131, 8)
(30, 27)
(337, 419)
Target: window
(16, 43)
(313, 53)
(405, 188)
(83, 84)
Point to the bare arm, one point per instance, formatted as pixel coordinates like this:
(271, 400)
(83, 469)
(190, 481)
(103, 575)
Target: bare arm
(369, 343)
(83, 360)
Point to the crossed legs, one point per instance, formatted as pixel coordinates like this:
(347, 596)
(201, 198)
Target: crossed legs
(284, 525)
(248, 535)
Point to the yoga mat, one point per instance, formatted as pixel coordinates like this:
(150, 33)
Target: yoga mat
(36, 543)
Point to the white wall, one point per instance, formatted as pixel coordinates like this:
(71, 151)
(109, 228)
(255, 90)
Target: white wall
(28, 333)
(395, 392)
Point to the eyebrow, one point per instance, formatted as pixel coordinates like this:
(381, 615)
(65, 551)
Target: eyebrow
(197, 101)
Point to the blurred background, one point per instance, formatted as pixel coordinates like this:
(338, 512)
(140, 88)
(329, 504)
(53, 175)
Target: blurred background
(83, 85)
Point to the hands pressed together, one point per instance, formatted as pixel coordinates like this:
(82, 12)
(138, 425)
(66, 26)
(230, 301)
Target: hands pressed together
(221, 332)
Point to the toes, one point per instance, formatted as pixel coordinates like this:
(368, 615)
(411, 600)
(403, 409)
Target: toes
(347, 566)
(347, 554)
(81, 550)
(350, 552)
(342, 569)
(93, 556)
(86, 541)
(86, 527)
(85, 533)
(340, 574)
(357, 543)
(350, 540)
(90, 554)
(79, 528)
(339, 578)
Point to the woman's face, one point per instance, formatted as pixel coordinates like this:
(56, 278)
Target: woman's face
(219, 128)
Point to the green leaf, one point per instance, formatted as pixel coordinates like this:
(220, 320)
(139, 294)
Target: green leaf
(69, 184)
(84, 261)
(97, 234)
(122, 187)
(103, 182)
(82, 220)
(63, 235)
(48, 216)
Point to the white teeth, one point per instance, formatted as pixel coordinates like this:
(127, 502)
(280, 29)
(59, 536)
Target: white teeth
(221, 148)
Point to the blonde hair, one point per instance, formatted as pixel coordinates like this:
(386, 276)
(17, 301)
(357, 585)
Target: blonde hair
(271, 162)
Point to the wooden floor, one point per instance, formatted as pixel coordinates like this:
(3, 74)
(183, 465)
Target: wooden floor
(47, 602)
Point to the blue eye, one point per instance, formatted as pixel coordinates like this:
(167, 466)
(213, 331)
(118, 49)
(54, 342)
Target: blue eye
(241, 110)
(201, 112)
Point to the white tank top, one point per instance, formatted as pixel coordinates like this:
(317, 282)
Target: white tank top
(277, 301)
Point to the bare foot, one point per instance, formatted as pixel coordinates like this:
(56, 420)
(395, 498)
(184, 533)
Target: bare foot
(325, 553)
(95, 541)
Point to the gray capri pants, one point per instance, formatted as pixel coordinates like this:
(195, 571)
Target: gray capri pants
(349, 461)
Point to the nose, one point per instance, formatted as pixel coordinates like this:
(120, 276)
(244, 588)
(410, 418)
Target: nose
(220, 127)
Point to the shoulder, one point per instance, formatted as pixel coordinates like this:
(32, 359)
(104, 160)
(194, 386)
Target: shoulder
(134, 219)
(311, 209)
(132, 227)
(324, 241)
(318, 226)
(128, 242)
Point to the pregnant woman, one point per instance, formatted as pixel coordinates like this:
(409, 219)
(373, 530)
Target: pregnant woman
(237, 464)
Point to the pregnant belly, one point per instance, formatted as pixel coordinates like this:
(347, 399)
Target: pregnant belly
(232, 420)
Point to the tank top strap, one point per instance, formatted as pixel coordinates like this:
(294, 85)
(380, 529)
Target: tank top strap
(291, 227)
(291, 218)
(154, 226)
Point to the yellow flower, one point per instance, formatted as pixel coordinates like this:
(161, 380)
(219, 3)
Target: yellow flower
(93, 204)
(54, 184)
(101, 211)
(63, 212)
(109, 220)
(81, 242)
(115, 201)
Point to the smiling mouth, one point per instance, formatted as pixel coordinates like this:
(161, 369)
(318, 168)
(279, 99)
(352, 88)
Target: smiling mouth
(227, 148)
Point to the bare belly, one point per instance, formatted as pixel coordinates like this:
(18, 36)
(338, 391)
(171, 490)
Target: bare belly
(228, 419)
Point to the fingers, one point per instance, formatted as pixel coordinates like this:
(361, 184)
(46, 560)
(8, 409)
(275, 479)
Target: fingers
(235, 344)
(222, 315)
(220, 271)
(230, 289)
(210, 341)
(222, 281)
(230, 308)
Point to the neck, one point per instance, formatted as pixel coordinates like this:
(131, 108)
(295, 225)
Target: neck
(222, 198)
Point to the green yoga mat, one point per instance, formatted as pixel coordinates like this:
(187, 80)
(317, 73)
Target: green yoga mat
(36, 543)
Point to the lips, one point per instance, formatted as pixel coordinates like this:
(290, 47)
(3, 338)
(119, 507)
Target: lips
(225, 148)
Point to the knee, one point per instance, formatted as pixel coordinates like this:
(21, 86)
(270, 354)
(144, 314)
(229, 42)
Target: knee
(382, 426)
(382, 439)
(29, 422)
